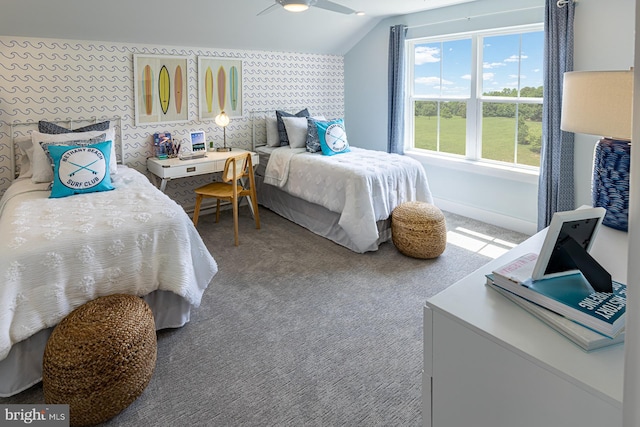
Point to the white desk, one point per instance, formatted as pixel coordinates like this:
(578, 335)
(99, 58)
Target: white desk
(168, 169)
(489, 363)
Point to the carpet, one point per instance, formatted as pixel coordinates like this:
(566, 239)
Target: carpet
(295, 330)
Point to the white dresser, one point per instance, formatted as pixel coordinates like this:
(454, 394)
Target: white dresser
(489, 363)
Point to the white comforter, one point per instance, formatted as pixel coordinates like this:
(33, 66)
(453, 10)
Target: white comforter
(363, 186)
(57, 254)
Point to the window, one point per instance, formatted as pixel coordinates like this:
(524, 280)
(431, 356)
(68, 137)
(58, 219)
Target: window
(478, 95)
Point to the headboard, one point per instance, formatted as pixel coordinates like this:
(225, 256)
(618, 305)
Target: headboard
(21, 129)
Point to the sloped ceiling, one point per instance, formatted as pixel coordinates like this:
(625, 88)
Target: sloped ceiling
(232, 24)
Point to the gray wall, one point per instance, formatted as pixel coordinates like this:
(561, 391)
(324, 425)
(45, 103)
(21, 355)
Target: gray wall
(604, 40)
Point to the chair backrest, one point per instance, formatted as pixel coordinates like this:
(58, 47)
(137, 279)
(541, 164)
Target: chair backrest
(237, 167)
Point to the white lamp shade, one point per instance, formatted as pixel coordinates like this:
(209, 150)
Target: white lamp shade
(222, 119)
(598, 103)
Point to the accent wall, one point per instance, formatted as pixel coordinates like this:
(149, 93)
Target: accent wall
(52, 79)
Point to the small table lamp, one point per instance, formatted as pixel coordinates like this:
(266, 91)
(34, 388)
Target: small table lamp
(223, 120)
(600, 103)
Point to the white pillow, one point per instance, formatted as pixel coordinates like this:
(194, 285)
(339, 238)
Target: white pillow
(40, 165)
(297, 130)
(25, 148)
(273, 137)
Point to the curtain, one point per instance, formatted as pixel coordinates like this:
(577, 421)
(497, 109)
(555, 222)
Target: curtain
(555, 189)
(397, 36)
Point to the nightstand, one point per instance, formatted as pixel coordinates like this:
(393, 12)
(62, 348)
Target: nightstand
(168, 169)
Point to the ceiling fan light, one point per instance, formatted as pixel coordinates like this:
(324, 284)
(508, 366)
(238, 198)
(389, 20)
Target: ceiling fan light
(296, 7)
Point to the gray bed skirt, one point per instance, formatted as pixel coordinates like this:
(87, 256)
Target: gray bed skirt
(315, 218)
(22, 368)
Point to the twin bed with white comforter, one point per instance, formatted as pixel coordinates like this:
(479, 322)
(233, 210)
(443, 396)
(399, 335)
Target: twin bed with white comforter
(361, 186)
(59, 253)
(310, 175)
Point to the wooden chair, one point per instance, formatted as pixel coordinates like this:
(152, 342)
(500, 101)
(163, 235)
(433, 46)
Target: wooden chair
(236, 170)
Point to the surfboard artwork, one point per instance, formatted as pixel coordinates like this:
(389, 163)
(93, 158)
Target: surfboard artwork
(233, 87)
(177, 88)
(208, 89)
(222, 87)
(147, 89)
(164, 89)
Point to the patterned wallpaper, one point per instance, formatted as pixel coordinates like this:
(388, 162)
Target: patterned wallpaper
(54, 79)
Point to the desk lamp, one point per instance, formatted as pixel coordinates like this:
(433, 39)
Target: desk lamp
(600, 103)
(223, 120)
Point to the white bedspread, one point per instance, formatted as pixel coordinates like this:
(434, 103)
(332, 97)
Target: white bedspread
(363, 186)
(57, 254)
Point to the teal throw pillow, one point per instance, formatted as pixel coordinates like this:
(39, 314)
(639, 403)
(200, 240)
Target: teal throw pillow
(333, 137)
(80, 169)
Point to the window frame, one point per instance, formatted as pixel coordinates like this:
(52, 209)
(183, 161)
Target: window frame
(473, 143)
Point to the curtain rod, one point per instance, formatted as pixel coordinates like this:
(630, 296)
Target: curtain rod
(467, 18)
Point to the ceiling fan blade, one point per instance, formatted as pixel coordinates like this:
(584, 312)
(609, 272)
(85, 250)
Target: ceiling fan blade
(334, 7)
(269, 9)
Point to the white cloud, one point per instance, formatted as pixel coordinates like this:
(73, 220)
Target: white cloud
(466, 77)
(488, 65)
(427, 54)
(514, 58)
(488, 76)
(432, 81)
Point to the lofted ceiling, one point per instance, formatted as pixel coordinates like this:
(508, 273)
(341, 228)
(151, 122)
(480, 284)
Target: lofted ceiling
(232, 24)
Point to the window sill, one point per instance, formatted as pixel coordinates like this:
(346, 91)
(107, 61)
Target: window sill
(472, 166)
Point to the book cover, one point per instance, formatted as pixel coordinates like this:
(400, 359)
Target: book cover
(520, 269)
(572, 296)
(584, 337)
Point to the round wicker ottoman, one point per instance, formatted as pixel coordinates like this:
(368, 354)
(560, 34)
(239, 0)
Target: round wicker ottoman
(419, 230)
(100, 358)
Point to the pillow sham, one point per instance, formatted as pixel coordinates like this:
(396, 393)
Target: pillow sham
(25, 149)
(45, 145)
(273, 137)
(296, 128)
(41, 166)
(80, 169)
(312, 142)
(54, 129)
(333, 137)
(284, 140)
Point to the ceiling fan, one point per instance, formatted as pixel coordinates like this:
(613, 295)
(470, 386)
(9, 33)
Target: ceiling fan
(302, 5)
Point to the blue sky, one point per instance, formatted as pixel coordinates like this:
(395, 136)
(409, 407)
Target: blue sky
(446, 67)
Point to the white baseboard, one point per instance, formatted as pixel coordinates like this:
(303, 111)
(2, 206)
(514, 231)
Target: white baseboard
(489, 217)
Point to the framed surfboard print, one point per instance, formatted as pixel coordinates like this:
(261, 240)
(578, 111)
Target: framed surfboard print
(161, 89)
(219, 87)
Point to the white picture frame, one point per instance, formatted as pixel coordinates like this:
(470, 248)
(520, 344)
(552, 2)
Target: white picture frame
(219, 87)
(161, 86)
(581, 224)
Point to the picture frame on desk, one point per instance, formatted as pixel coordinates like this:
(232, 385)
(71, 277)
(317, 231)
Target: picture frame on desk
(219, 87)
(160, 89)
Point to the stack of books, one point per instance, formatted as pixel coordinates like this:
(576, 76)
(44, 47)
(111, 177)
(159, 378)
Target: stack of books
(567, 303)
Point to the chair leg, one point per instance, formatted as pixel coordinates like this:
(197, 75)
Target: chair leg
(235, 220)
(254, 203)
(217, 210)
(196, 211)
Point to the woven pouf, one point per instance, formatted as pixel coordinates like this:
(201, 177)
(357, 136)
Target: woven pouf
(419, 230)
(100, 358)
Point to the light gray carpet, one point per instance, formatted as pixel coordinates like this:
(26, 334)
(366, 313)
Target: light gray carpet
(297, 331)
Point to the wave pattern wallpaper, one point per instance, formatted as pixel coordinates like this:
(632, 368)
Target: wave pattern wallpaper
(52, 79)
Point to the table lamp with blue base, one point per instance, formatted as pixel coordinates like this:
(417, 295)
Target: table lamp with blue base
(600, 103)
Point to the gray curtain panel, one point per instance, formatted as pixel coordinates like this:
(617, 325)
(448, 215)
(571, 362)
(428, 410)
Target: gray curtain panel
(397, 36)
(555, 192)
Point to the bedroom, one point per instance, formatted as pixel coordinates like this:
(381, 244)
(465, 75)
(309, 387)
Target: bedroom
(347, 74)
